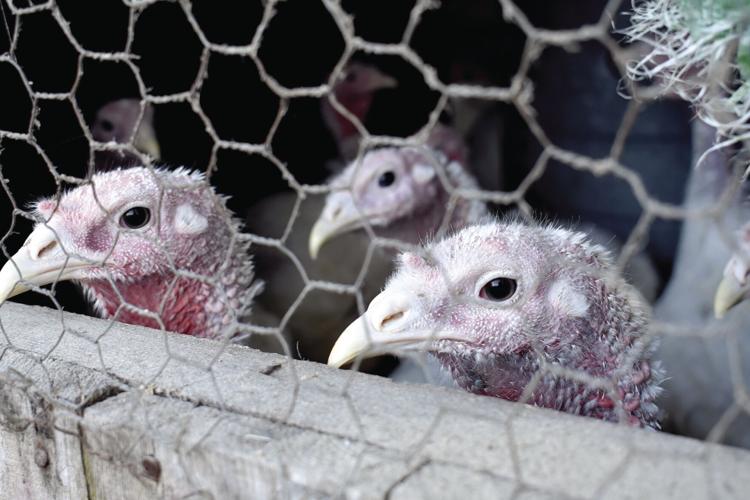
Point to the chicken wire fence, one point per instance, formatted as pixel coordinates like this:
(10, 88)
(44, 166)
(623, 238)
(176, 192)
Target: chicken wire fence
(725, 337)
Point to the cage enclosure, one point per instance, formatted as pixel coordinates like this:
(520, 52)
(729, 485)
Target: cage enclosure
(520, 225)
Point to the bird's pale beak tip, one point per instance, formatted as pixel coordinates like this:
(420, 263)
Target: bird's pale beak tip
(338, 358)
(153, 150)
(352, 342)
(341, 354)
(25, 270)
(729, 293)
(721, 309)
(313, 249)
(145, 141)
(335, 363)
(318, 236)
(10, 285)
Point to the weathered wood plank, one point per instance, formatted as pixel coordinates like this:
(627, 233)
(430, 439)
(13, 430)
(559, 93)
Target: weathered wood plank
(197, 418)
(40, 449)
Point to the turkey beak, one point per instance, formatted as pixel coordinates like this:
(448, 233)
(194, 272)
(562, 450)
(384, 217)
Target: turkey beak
(383, 81)
(355, 340)
(40, 261)
(729, 293)
(145, 141)
(331, 223)
(387, 326)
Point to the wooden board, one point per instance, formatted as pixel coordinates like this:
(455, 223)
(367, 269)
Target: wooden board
(127, 412)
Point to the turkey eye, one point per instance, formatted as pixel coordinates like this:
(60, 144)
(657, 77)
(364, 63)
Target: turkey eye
(135, 217)
(499, 289)
(386, 179)
(107, 125)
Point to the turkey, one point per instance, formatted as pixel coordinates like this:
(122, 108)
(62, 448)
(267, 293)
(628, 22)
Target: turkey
(400, 193)
(116, 122)
(149, 247)
(319, 317)
(697, 348)
(354, 90)
(690, 49)
(519, 312)
(733, 287)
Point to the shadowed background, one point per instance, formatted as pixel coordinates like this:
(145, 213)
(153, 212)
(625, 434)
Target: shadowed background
(574, 96)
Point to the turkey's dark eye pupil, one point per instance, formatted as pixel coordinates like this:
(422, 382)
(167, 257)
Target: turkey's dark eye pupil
(386, 179)
(107, 125)
(499, 289)
(135, 217)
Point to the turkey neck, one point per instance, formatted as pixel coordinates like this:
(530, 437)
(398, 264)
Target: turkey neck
(184, 304)
(425, 222)
(506, 376)
(611, 353)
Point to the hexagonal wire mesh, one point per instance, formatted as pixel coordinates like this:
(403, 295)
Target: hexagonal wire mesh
(200, 254)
